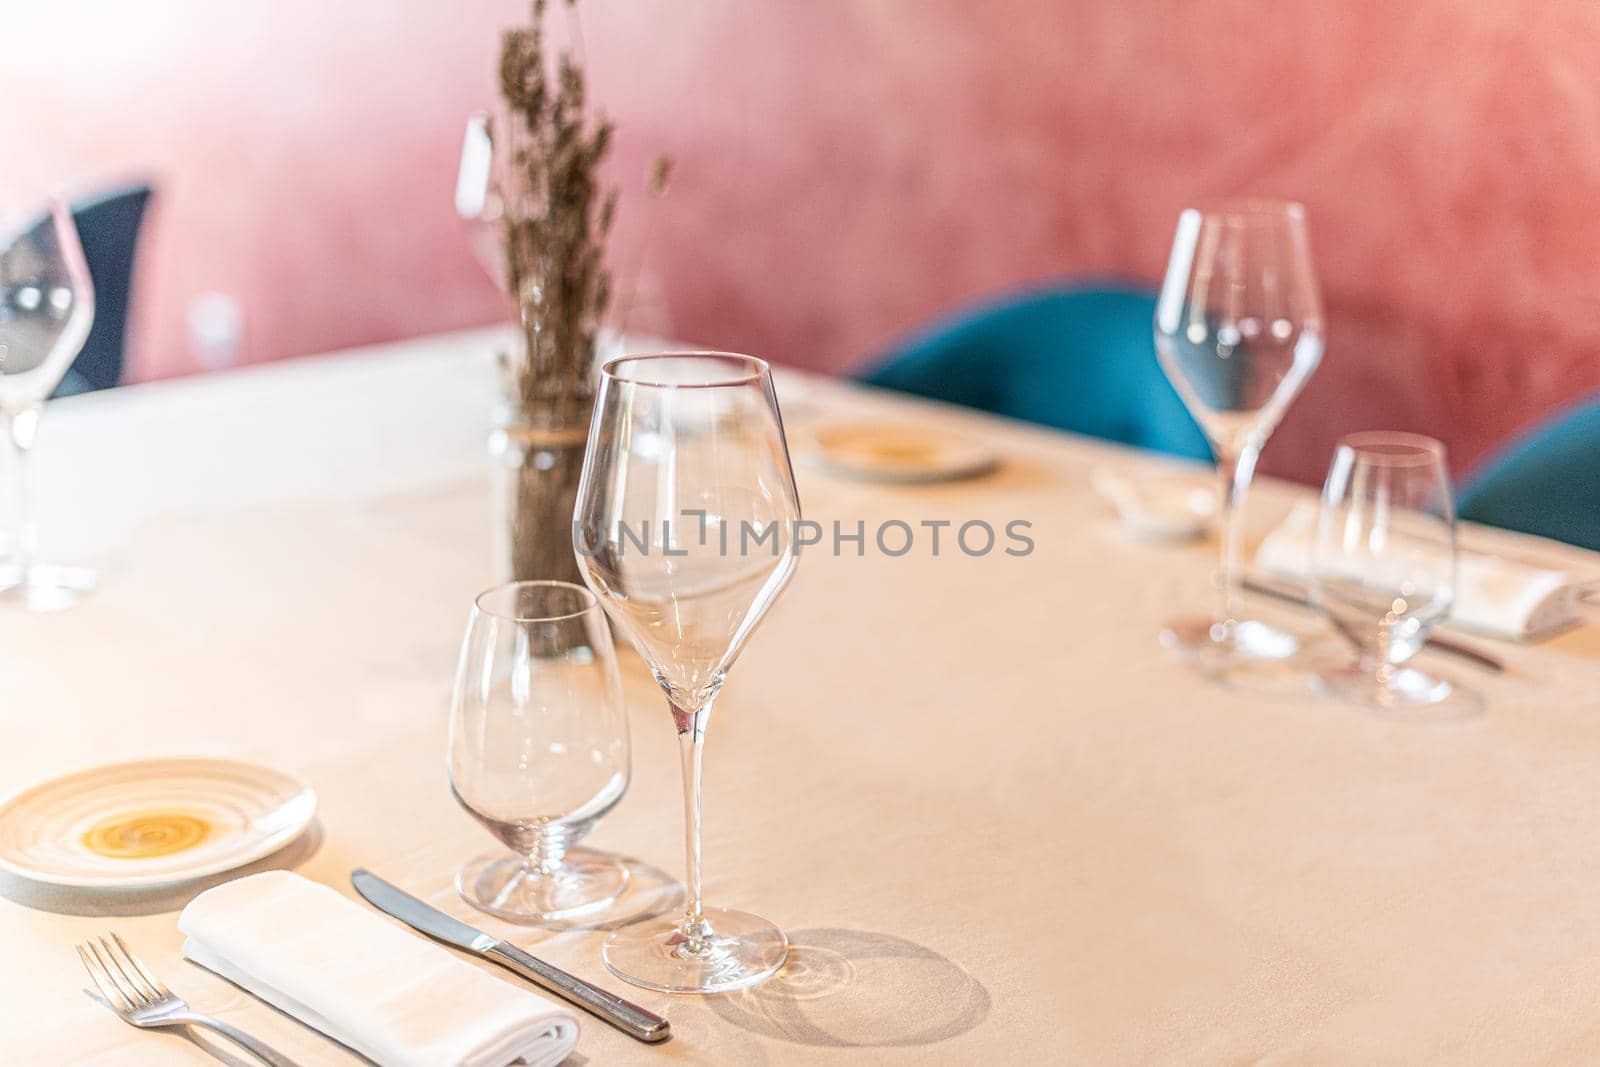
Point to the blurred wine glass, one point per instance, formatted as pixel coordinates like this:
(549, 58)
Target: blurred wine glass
(1384, 564)
(1238, 330)
(539, 749)
(685, 530)
(46, 309)
(478, 201)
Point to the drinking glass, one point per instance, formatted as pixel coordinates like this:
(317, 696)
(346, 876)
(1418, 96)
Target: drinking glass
(539, 749)
(1238, 330)
(46, 309)
(685, 529)
(1384, 564)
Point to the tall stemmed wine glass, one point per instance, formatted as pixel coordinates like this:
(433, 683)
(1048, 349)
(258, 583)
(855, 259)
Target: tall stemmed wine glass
(685, 530)
(46, 309)
(1238, 330)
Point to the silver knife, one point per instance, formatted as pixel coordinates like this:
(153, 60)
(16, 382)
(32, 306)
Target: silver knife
(1295, 593)
(624, 1015)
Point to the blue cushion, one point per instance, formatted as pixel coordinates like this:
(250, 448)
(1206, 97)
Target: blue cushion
(108, 227)
(1078, 358)
(1547, 482)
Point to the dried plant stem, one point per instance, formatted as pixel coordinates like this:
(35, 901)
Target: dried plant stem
(556, 218)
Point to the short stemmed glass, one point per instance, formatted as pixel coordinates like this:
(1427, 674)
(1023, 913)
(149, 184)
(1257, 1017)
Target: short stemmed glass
(46, 309)
(1384, 564)
(685, 529)
(539, 749)
(1238, 330)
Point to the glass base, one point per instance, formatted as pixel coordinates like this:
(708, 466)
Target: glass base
(1228, 642)
(1406, 688)
(503, 885)
(47, 586)
(734, 950)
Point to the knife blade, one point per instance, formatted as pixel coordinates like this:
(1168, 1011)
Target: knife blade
(1297, 594)
(626, 1016)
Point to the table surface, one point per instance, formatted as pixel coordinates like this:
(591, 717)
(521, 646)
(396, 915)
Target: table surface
(999, 822)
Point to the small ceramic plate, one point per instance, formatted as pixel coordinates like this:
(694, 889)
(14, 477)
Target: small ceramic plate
(151, 823)
(890, 452)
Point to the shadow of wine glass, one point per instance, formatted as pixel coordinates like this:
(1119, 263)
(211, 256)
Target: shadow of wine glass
(650, 893)
(113, 902)
(859, 989)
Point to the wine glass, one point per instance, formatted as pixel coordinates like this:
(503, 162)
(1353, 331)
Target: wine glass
(46, 309)
(1384, 564)
(539, 749)
(685, 529)
(1238, 330)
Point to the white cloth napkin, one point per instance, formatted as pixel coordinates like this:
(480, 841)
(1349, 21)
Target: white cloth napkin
(392, 995)
(1494, 596)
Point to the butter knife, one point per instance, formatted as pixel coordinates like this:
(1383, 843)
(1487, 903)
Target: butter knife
(1298, 594)
(624, 1015)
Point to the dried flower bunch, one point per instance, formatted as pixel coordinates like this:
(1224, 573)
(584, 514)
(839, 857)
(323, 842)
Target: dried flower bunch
(556, 217)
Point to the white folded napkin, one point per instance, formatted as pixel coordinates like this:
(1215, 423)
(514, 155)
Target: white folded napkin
(392, 995)
(1494, 596)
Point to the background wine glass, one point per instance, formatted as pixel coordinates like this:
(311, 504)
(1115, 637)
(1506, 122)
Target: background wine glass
(1238, 330)
(46, 309)
(1384, 564)
(539, 749)
(685, 531)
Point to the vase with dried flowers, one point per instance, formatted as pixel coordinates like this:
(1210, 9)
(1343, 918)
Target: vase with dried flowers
(532, 176)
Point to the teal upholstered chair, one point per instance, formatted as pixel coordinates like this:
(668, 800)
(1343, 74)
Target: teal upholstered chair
(1547, 482)
(108, 227)
(1078, 358)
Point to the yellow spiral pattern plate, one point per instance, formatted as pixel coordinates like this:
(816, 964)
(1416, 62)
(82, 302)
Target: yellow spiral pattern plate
(155, 822)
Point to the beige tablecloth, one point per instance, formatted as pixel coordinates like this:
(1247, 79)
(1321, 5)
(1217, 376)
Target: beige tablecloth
(999, 823)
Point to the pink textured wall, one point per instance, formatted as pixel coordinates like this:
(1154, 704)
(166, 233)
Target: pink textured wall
(847, 170)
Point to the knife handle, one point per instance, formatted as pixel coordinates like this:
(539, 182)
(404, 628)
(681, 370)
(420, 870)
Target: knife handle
(623, 1014)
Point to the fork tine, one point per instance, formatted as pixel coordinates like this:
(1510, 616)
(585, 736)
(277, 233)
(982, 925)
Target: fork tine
(130, 968)
(115, 998)
(151, 980)
(102, 952)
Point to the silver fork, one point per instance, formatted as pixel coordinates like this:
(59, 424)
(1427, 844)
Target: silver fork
(142, 1000)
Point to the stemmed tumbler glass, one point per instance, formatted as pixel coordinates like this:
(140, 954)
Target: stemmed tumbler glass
(685, 529)
(1384, 564)
(539, 749)
(46, 309)
(1238, 330)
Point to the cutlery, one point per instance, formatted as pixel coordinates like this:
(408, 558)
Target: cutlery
(142, 1000)
(1296, 594)
(624, 1015)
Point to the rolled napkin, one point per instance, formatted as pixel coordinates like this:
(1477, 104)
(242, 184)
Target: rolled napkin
(1496, 597)
(397, 998)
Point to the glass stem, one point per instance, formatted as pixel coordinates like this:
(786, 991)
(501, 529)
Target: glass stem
(691, 742)
(21, 426)
(1234, 469)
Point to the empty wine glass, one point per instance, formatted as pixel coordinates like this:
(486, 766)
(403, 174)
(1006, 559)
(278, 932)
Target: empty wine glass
(46, 309)
(685, 529)
(1384, 564)
(539, 749)
(1238, 330)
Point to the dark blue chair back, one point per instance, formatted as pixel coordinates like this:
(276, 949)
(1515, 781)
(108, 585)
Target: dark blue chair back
(1078, 358)
(108, 227)
(1547, 482)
